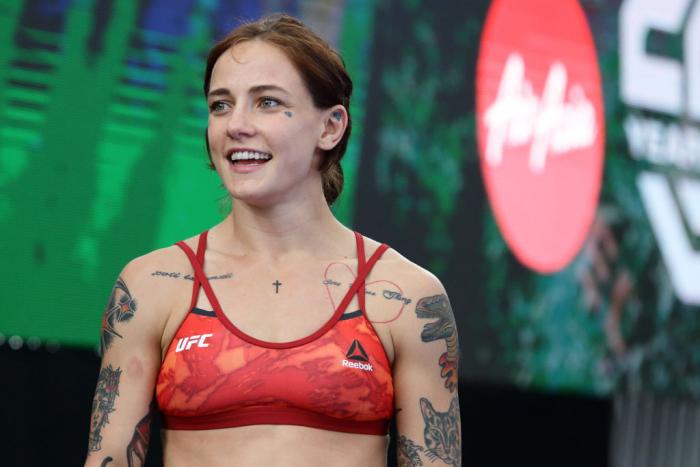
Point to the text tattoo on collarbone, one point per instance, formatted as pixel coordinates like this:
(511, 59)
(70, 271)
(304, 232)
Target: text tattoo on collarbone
(438, 306)
(188, 277)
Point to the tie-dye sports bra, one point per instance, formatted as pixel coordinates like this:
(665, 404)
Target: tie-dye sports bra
(214, 375)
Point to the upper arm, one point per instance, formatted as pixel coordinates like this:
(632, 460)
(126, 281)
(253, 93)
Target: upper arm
(425, 378)
(132, 325)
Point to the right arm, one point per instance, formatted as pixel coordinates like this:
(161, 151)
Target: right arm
(132, 327)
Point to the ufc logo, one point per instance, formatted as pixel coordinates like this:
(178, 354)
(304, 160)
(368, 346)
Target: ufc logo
(186, 343)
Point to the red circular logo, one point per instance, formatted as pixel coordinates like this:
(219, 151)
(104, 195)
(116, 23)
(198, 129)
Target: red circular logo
(540, 127)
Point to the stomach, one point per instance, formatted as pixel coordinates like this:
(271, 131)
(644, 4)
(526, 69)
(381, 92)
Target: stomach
(272, 445)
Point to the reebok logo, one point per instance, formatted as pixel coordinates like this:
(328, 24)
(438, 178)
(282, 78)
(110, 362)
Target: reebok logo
(186, 343)
(359, 357)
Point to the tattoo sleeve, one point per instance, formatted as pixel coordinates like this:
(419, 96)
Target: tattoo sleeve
(138, 446)
(438, 307)
(407, 454)
(442, 433)
(120, 309)
(106, 393)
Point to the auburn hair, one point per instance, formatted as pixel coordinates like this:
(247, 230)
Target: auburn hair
(321, 68)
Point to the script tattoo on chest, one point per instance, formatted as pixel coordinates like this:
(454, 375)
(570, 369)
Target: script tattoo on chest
(392, 295)
(335, 283)
(388, 294)
(188, 277)
(438, 307)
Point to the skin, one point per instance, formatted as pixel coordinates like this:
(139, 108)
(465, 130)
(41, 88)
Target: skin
(283, 230)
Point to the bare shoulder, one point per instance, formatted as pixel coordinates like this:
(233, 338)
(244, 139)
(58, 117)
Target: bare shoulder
(410, 276)
(403, 295)
(163, 262)
(424, 333)
(155, 284)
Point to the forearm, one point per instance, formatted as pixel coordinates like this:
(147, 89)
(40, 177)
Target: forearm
(114, 450)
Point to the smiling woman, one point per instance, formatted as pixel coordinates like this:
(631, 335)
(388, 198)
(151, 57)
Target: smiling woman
(318, 68)
(312, 337)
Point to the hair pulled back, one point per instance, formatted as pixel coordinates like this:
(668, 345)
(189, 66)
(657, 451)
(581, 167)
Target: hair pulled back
(321, 68)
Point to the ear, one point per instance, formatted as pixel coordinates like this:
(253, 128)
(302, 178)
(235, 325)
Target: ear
(335, 121)
(454, 408)
(426, 409)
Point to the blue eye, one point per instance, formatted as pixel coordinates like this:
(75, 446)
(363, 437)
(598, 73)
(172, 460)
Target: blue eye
(269, 102)
(218, 107)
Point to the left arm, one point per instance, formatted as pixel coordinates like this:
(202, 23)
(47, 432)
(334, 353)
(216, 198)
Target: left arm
(425, 380)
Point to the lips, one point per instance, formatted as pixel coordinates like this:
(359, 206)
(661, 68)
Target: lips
(246, 160)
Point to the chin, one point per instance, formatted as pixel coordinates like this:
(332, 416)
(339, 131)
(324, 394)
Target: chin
(255, 198)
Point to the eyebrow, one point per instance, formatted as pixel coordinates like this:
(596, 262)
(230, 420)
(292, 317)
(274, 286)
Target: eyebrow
(254, 90)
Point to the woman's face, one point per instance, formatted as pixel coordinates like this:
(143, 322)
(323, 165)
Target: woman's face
(265, 134)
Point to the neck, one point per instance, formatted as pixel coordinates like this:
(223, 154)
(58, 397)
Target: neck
(284, 229)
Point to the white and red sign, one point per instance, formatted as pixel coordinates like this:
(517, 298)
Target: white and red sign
(666, 86)
(540, 127)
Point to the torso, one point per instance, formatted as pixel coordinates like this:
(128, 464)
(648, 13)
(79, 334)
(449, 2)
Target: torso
(252, 298)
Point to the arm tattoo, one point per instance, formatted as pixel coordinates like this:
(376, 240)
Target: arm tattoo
(407, 455)
(106, 393)
(443, 438)
(136, 450)
(438, 307)
(121, 308)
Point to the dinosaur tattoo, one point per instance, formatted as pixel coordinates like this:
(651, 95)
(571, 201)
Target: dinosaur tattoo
(438, 307)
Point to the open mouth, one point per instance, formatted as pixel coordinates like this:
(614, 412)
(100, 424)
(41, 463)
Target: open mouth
(241, 158)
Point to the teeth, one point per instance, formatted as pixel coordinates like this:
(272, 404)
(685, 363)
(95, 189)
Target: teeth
(249, 155)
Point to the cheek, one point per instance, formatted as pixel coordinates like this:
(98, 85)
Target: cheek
(213, 132)
(301, 138)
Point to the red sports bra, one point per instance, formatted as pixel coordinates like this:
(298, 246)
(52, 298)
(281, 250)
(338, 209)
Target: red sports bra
(216, 376)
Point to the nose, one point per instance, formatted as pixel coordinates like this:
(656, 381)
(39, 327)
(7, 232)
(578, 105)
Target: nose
(239, 124)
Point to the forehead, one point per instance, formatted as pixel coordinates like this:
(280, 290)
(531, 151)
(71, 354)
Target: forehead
(252, 63)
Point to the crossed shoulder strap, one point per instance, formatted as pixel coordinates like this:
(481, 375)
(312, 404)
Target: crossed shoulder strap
(364, 267)
(198, 259)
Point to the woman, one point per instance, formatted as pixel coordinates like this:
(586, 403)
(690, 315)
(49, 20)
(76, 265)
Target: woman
(301, 339)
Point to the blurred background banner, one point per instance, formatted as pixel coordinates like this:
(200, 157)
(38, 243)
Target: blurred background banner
(102, 159)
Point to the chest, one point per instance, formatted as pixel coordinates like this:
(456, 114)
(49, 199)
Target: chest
(292, 300)
(276, 302)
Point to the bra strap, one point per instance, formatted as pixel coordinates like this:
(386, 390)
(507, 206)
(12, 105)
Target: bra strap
(201, 277)
(199, 260)
(362, 274)
(361, 264)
